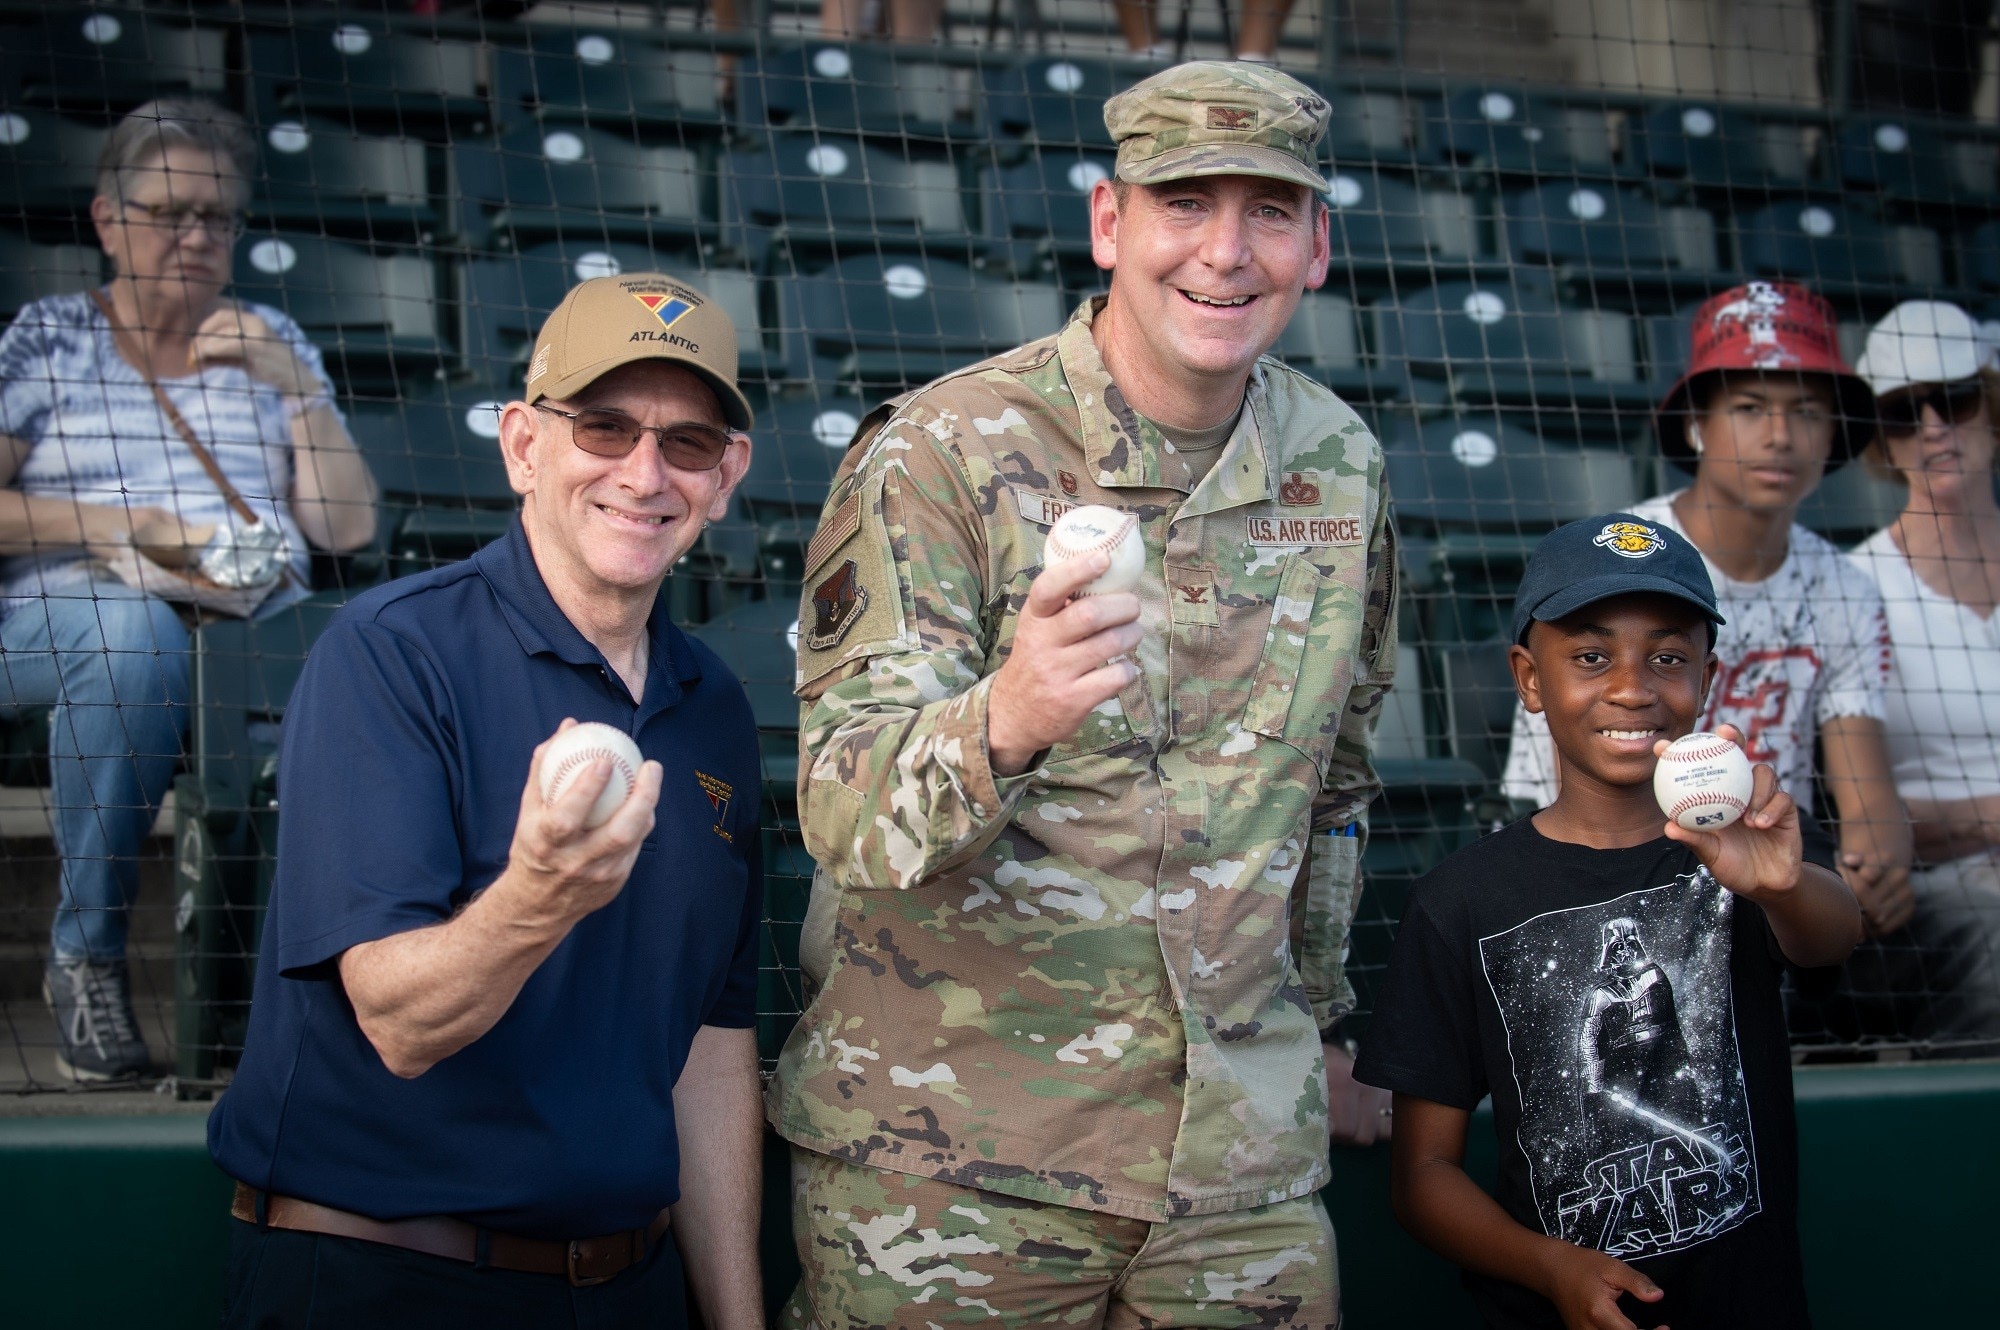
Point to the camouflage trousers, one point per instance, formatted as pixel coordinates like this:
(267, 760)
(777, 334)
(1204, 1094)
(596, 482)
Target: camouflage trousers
(882, 1249)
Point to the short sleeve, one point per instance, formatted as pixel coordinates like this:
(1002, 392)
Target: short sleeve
(1856, 643)
(294, 337)
(735, 1008)
(1423, 1039)
(27, 376)
(365, 747)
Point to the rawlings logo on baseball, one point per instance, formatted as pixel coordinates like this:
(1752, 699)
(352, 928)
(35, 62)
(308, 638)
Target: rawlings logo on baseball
(571, 753)
(1703, 782)
(1092, 529)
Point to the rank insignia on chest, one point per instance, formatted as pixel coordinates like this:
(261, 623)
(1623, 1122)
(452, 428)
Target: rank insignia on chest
(837, 605)
(1298, 492)
(719, 793)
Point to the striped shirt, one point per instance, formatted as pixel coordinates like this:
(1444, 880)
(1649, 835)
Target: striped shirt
(96, 435)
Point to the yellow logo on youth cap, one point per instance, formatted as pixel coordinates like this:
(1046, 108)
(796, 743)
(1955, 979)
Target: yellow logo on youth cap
(1630, 540)
(669, 310)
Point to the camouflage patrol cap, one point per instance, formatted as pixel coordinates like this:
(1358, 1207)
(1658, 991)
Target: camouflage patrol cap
(606, 322)
(1218, 117)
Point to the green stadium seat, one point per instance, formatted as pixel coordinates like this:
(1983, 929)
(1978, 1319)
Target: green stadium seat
(831, 88)
(1477, 685)
(1667, 337)
(1979, 257)
(1835, 250)
(320, 175)
(805, 194)
(368, 74)
(1852, 504)
(1038, 209)
(48, 173)
(1324, 341)
(373, 316)
(799, 441)
(506, 300)
(1057, 101)
(436, 455)
(1718, 148)
(29, 271)
(1514, 132)
(1366, 128)
(890, 320)
(1904, 160)
(97, 63)
(1611, 237)
(759, 641)
(539, 182)
(1510, 343)
(627, 82)
(1379, 221)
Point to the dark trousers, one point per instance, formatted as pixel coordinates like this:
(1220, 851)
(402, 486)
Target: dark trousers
(280, 1279)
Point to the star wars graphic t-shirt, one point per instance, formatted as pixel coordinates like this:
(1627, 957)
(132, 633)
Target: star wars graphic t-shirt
(1622, 1008)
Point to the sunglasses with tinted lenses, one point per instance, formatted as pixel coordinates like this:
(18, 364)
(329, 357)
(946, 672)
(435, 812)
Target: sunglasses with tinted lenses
(601, 432)
(1902, 413)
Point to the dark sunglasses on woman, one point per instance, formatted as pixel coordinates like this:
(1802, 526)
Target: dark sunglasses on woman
(1902, 412)
(602, 432)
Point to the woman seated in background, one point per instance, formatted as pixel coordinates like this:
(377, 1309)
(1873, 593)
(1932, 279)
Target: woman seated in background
(1938, 564)
(160, 447)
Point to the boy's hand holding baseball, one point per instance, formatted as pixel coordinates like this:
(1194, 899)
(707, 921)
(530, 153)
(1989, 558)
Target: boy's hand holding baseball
(1758, 855)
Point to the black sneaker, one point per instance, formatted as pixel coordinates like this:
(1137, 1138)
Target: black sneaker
(97, 1034)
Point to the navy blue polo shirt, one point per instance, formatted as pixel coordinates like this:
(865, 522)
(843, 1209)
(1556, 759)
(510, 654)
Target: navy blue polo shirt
(406, 747)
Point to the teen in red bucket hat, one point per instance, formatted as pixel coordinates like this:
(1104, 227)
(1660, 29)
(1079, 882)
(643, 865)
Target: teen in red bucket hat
(1765, 409)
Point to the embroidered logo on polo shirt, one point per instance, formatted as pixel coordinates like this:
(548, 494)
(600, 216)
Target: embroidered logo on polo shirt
(719, 793)
(837, 606)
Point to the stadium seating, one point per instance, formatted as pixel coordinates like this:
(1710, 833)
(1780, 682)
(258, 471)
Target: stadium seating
(832, 88)
(1912, 161)
(623, 81)
(810, 195)
(1037, 211)
(1835, 249)
(374, 315)
(29, 271)
(1513, 132)
(1718, 149)
(1323, 340)
(1378, 221)
(903, 321)
(435, 453)
(319, 175)
(539, 182)
(48, 172)
(1055, 101)
(367, 73)
(1611, 237)
(95, 62)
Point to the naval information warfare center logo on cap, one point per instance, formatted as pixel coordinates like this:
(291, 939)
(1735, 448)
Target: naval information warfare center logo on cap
(1630, 540)
(668, 309)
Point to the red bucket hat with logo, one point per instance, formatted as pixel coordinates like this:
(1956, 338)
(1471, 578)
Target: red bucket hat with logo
(1768, 328)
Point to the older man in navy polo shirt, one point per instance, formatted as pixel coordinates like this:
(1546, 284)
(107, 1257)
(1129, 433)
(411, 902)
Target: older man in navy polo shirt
(500, 1070)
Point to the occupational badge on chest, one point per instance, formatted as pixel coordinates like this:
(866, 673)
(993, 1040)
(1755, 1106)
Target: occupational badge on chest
(838, 603)
(1298, 492)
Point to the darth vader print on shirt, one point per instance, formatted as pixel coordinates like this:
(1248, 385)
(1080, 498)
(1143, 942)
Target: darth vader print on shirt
(1635, 1120)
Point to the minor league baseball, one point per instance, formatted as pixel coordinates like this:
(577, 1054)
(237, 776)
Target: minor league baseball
(570, 755)
(1091, 528)
(1703, 782)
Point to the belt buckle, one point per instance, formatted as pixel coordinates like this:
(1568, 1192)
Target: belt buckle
(580, 1280)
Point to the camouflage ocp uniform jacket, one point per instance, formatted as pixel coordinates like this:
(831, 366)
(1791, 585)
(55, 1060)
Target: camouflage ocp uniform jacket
(1099, 983)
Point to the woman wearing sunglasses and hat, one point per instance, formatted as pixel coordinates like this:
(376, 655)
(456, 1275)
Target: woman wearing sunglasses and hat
(1938, 564)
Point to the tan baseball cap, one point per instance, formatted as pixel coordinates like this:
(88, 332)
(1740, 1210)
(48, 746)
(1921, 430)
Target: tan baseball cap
(611, 321)
(1218, 117)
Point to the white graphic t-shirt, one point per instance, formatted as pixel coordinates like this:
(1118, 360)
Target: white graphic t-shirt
(1806, 645)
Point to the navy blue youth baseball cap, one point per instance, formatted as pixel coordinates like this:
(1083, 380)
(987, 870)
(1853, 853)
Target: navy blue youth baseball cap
(1614, 555)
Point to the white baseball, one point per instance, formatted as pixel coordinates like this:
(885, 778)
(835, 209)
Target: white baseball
(570, 754)
(1703, 782)
(1092, 528)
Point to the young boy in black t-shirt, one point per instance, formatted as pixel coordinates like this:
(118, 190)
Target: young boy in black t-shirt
(1612, 980)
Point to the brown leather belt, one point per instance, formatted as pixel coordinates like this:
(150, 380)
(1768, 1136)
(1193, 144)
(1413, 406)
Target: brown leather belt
(585, 1261)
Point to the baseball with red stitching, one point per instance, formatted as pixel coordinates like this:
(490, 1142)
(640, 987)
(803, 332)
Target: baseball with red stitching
(1703, 782)
(570, 754)
(1094, 527)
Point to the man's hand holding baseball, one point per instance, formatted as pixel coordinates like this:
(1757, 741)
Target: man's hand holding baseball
(559, 870)
(1065, 661)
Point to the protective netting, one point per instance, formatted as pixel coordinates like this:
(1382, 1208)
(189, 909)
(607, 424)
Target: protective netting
(1529, 201)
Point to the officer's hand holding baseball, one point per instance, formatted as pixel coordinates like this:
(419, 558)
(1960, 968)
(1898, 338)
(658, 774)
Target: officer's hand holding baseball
(565, 869)
(1067, 658)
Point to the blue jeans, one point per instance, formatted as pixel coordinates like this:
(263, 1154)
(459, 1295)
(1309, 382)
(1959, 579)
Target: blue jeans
(113, 662)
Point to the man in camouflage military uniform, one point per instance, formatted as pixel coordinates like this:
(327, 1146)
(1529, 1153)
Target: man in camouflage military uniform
(1086, 867)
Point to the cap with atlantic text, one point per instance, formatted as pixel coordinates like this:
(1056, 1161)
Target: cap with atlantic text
(611, 321)
(1614, 555)
(1218, 117)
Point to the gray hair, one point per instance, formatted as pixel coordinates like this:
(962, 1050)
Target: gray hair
(145, 135)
